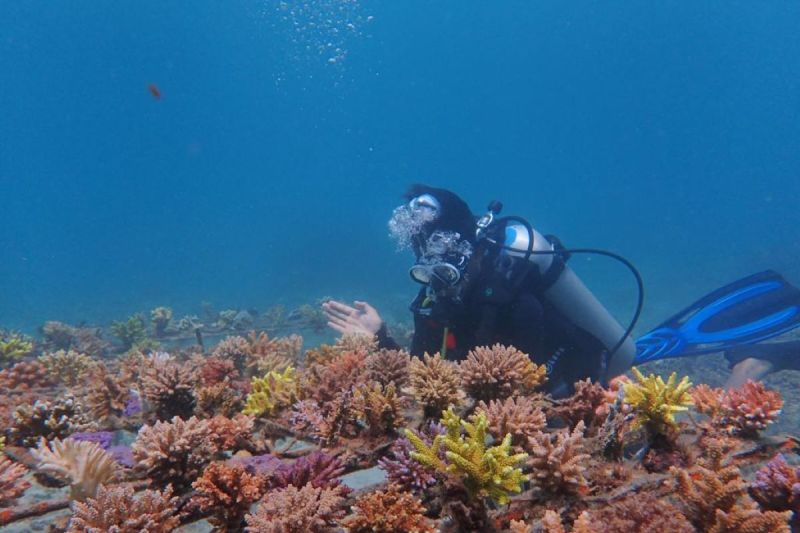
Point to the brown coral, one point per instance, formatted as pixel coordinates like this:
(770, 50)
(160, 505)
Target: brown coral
(291, 510)
(707, 400)
(391, 510)
(741, 520)
(703, 491)
(60, 336)
(45, 419)
(215, 370)
(226, 492)
(499, 372)
(519, 416)
(235, 349)
(329, 421)
(26, 375)
(267, 355)
(220, 399)
(639, 513)
(558, 461)
(583, 404)
(324, 381)
(435, 384)
(174, 452)
(168, 388)
(69, 367)
(115, 509)
(379, 407)
(12, 486)
(83, 464)
(105, 395)
(388, 366)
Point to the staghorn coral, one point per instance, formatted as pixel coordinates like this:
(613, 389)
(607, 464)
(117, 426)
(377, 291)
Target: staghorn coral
(168, 388)
(232, 434)
(435, 384)
(749, 409)
(235, 349)
(518, 416)
(750, 521)
(219, 399)
(707, 400)
(329, 421)
(45, 419)
(267, 355)
(116, 510)
(12, 486)
(703, 491)
(291, 510)
(485, 471)
(160, 318)
(226, 492)
(776, 486)
(323, 382)
(174, 453)
(558, 461)
(105, 395)
(25, 375)
(388, 366)
(13, 346)
(655, 402)
(379, 407)
(274, 391)
(317, 469)
(69, 367)
(404, 471)
(638, 513)
(391, 510)
(499, 372)
(583, 405)
(83, 464)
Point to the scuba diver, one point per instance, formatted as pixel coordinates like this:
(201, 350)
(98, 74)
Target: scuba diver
(491, 279)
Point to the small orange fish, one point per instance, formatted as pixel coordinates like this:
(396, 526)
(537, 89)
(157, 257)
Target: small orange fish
(153, 88)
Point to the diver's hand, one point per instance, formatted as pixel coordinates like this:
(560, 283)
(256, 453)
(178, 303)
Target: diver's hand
(361, 319)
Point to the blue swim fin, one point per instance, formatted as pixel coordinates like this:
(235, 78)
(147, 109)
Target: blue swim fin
(747, 311)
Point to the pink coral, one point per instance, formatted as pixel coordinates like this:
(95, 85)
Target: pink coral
(749, 409)
(519, 416)
(115, 509)
(317, 469)
(776, 486)
(391, 510)
(226, 492)
(12, 486)
(291, 510)
(558, 461)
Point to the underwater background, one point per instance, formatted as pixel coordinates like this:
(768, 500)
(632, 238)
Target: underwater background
(284, 133)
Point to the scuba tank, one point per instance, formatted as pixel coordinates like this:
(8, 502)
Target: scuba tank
(522, 248)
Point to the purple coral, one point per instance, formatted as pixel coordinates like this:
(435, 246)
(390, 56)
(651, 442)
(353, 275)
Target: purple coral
(400, 468)
(102, 438)
(133, 405)
(122, 455)
(776, 486)
(319, 469)
(262, 465)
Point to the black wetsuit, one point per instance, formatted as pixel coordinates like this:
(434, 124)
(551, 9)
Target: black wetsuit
(782, 355)
(492, 312)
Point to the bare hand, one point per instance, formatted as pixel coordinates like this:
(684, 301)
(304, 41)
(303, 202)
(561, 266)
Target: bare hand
(360, 319)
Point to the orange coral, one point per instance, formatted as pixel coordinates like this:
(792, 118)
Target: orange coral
(226, 492)
(236, 349)
(435, 383)
(639, 513)
(707, 400)
(215, 370)
(558, 461)
(232, 434)
(116, 509)
(291, 510)
(391, 510)
(519, 416)
(26, 375)
(12, 486)
(741, 520)
(499, 372)
(267, 355)
(324, 381)
(703, 491)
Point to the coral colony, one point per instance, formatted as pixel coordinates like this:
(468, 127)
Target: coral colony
(253, 433)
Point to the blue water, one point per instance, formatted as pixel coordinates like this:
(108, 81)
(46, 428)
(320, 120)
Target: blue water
(668, 132)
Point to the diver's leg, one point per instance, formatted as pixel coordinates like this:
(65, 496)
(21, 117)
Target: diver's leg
(749, 368)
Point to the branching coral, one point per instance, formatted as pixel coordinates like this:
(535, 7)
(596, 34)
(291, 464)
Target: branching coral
(267, 355)
(25, 375)
(499, 372)
(703, 491)
(115, 509)
(388, 366)
(60, 336)
(226, 492)
(329, 421)
(404, 471)
(219, 399)
(639, 513)
(46, 419)
(160, 318)
(291, 510)
(707, 400)
(485, 471)
(391, 510)
(324, 381)
(751, 521)
(235, 349)
(317, 469)
(379, 407)
(106, 396)
(14, 346)
(69, 367)
(558, 461)
(12, 486)
(655, 403)
(435, 383)
(168, 388)
(274, 391)
(85, 465)
(518, 416)
(232, 434)
(583, 405)
(215, 370)
(132, 333)
(749, 409)
(776, 486)
(174, 452)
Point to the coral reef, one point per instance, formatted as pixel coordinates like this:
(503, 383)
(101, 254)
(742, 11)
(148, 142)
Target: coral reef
(388, 367)
(305, 510)
(160, 317)
(232, 434)
(105, 395)
(84, 465)
(274, 391)
(317, 469)
(391, 510)
(45, 419)
(379, 407)
(174, 453)
(215, 370)
(267, 355)
(558, 461)
(68, 367)
(219, 399)
(323, 381)
(115, 509)
(60, 336)
(435, 383)
(13, 347)
(327, 422)
(25, 375)
(226, 492)
(485, 471)
(518, 416)
(12, 486)
(234, 348)
(655, 402)
(132, 333)
(168, 388)
(499, 372)
(404, 471)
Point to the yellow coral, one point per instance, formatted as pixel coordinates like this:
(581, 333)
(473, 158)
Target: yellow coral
(655, 402)
(2, 443)
(490, 471)
(275, 390)
(14, 347)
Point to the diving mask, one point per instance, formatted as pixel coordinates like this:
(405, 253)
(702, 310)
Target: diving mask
(436, 275)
